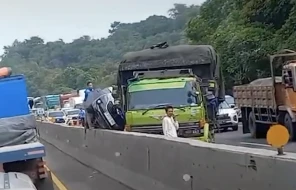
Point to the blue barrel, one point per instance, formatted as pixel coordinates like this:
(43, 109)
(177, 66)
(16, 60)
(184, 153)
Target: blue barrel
(13, 96)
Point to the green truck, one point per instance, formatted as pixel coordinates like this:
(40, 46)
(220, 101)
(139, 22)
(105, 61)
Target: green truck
(186, 77)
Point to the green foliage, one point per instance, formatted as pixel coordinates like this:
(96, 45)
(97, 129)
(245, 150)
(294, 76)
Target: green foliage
(244, 33)
(59, 67)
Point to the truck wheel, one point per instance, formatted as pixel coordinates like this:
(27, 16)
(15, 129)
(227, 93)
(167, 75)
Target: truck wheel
(290, 126)
(257, 130)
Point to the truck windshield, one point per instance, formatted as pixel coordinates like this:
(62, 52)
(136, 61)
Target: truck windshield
(56, 114)
(177, 97)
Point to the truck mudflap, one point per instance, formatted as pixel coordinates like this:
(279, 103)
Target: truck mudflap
(45, 183)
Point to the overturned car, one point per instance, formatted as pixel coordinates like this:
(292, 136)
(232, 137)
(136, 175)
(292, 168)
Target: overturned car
(101, 111)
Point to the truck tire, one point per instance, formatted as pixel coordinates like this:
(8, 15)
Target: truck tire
(290, 126)
(257, 130)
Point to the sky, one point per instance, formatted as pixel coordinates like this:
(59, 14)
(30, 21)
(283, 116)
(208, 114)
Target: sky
(71, 19)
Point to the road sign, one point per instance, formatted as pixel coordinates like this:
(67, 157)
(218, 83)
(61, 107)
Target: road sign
(278, 136)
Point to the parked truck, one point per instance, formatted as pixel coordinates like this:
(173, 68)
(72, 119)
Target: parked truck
(21, 153)
(188, 77)
(65, 99)
(272, 100)
(51, 102)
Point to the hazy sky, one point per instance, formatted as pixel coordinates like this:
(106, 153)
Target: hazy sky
(70, 19)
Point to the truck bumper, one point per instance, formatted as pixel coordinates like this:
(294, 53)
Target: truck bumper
(184, 130)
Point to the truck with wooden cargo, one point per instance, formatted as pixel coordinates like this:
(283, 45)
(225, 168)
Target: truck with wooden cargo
(21, 154)
(187, 77)
(272, 100)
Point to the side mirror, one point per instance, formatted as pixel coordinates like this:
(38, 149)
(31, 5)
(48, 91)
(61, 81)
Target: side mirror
(232, 106)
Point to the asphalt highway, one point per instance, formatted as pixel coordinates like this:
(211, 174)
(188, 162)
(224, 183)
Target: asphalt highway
(237, 138)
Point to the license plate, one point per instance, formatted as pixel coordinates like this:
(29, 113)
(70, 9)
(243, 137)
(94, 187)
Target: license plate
(194, 131)
(109, 118)
(222, 122)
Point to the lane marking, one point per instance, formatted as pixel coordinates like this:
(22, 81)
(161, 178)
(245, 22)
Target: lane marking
(255, 144)
(56, 181)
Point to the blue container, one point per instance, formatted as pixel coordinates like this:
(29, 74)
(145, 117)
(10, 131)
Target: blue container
(13, 97)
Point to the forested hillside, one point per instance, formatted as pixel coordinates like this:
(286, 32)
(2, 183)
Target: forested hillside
(244, 32)
(57, 67)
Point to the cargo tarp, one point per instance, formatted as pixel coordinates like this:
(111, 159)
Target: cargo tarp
(265, 81)
(18, 130)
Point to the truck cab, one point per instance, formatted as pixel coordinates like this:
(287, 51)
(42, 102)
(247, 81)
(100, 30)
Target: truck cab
(187, 77)
(149, 92)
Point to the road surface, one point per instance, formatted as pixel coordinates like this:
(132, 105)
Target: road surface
(237, 138)
(69, 174)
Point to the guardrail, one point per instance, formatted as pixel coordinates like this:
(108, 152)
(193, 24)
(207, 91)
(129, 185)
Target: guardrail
(152, 162)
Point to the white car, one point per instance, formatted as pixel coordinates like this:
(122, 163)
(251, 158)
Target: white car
(72, 113)
(230, 101)
(227, 117)
(56, 116)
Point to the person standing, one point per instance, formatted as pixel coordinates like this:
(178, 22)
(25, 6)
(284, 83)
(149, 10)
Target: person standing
(89, 89)
(88, 115)
(170, 125)
(82, 116)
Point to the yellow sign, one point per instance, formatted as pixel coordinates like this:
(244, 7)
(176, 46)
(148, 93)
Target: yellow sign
(278, 136)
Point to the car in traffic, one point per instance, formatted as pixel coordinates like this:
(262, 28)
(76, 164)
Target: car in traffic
(230, 100)
(72, 113)
(56, 116)
(227, 117)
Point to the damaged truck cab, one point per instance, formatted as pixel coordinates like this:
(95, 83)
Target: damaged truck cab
(186, 77)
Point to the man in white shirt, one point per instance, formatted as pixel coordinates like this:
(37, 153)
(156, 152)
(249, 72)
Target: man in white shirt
(169, 123)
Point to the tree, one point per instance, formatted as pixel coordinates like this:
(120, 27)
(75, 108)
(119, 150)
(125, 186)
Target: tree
(244, 33)
(57, 67)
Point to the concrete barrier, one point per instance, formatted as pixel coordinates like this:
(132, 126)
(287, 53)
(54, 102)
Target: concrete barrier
(152, 162)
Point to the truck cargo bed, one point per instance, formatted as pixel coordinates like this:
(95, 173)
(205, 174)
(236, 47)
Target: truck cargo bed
(255, 96)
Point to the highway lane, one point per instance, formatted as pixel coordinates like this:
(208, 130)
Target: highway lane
(76, 176)
(237, 138)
